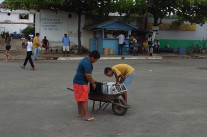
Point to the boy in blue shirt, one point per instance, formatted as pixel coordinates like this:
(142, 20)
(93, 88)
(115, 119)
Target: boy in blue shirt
(80, 84)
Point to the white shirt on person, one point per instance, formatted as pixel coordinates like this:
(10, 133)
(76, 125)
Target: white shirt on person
(121, 38)
(31, 36)
(157, 43)
(29, 46)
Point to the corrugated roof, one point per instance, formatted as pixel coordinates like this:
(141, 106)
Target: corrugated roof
(106, 24)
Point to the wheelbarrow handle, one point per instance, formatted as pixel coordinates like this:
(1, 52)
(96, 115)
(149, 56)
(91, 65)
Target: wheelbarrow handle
(70, 89)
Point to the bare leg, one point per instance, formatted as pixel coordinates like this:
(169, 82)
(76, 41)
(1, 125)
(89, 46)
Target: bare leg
(125, 96)
(6, 52)
(86, 116)
(80, 110)
(85, 110)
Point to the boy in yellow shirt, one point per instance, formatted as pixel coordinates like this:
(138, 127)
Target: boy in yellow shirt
(124, 73)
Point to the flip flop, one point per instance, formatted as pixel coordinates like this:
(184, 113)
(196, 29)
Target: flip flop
(90, 119)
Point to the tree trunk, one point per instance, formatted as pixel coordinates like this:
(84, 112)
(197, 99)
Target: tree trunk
(79, 33)
(146, 21)
(155, 28)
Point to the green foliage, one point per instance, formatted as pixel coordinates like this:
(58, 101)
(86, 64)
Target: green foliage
(28, 30)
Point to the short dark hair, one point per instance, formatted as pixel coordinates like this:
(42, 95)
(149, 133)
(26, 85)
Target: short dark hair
(37, 34)
(28, 38)
(95, 54)
(106, 70)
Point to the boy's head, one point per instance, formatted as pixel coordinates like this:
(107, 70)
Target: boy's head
(28, 38)
(108, 71)
(94, 56)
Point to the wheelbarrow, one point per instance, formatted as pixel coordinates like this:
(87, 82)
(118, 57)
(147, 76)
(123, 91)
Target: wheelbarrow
(119, 106)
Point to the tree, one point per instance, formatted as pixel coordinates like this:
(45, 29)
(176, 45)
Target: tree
(194, 11)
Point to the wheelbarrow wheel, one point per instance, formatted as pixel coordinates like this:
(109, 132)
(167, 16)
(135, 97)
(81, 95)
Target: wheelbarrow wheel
(119, 110)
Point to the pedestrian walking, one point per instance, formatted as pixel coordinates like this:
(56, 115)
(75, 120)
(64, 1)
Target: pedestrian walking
(8, 47)
(28, 47)
(35, 47)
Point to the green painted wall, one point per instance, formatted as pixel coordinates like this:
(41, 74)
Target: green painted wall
(178, 43)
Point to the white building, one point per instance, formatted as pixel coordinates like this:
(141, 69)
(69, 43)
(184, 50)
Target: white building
(15, 20)
(55, 24)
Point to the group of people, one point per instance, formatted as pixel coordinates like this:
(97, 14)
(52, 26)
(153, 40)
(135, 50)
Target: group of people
(148, 46)
(32, 44)
(123, 73)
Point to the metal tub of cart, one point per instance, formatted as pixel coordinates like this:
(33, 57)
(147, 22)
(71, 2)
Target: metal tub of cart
(109, 93)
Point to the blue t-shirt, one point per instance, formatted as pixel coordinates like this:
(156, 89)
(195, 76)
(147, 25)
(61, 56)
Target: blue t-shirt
(85, 67)
(66, 41)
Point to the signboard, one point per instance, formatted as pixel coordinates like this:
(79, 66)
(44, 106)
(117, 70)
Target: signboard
(50, 24)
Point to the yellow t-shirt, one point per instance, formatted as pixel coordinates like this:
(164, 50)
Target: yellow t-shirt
(145, 44)
(35, 42)
(123, 69)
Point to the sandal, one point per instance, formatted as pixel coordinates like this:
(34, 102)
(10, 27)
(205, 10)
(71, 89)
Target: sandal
(22, 67)
(90, 119)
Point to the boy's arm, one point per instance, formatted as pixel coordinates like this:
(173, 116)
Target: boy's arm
(120, 78)
(90, 79)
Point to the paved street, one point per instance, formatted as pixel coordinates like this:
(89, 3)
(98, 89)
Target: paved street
(168, 99)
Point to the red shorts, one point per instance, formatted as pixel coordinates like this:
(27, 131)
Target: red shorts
(81, 92)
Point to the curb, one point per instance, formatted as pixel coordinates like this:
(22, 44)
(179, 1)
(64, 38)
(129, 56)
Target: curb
(113, 58)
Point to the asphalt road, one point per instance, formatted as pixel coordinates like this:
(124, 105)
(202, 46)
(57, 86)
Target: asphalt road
(168, 99)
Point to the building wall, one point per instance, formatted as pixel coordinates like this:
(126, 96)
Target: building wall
(54, 25)
(11, 28)
(177, 38)
(11, 23)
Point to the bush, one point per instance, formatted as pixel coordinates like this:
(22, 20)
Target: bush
(28, 30)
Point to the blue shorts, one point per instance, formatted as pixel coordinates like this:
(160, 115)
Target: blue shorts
(128, 80)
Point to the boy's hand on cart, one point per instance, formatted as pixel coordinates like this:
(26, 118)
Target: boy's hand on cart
(117, 83)
(94, 86)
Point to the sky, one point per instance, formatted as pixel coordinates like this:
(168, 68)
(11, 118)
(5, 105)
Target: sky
(1, 1)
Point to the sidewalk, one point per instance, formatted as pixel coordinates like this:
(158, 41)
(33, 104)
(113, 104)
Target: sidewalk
(20, 53)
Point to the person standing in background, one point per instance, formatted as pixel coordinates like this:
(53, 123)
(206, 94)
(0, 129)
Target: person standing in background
(23, 41)
(66, 44)
(157, 46)
(35, 47)
(31, 36)
(150, 44)
(121, 38)
(7, 47)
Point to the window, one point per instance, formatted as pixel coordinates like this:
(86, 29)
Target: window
(24, 16)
